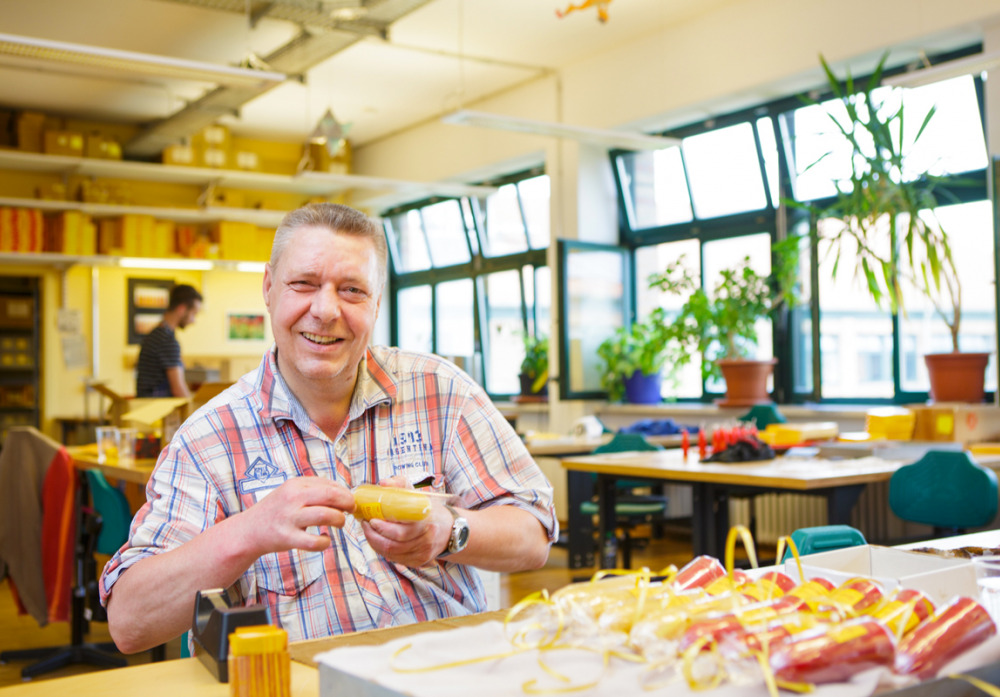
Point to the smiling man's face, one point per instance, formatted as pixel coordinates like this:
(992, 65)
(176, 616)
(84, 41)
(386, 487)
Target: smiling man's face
(323, 297)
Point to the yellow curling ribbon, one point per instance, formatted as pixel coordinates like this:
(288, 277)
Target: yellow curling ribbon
(537, 598)
(787, 540)
(451, 664)
(765, 669)
(691, 653)
(986, 687)
(742, 533)
(530, 688)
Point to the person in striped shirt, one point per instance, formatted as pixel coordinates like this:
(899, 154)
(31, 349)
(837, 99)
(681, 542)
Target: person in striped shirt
(253, 493)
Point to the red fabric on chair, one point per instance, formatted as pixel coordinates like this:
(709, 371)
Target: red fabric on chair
(58, 534)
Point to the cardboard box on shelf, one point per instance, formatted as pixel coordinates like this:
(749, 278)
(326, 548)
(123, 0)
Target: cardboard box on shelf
(29, 128)
(179, 155)
(63, 143)
(959, 422)
(941, 578)
(101, 147)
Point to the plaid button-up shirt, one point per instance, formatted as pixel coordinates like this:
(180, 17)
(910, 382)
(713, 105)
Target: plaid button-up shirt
(411, 414)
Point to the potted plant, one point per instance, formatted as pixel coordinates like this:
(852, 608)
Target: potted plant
(634, 358)
(534, 374)
(888, 223)
(720, 325)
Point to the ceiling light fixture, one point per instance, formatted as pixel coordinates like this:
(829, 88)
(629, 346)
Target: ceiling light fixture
(970, 65)
(32, 50)
(173, 264)
(628, 140)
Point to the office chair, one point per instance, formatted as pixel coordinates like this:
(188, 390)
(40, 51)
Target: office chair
(631, 509)
(824, 538)
(945, 489)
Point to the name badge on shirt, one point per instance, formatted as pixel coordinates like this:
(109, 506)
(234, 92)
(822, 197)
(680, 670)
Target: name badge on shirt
(262, 478)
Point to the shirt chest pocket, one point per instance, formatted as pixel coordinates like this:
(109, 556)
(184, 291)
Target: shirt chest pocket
(288, 573)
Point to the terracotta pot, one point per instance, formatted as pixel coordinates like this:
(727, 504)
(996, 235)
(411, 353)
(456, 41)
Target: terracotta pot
(957, 377)
(746, 382)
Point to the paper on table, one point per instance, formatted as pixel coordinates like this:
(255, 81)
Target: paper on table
(504, 677)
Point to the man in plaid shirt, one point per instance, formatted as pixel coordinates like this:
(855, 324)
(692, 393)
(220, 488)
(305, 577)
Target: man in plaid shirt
(253, 493)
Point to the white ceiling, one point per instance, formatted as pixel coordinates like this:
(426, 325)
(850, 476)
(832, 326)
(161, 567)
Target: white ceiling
(441, 56)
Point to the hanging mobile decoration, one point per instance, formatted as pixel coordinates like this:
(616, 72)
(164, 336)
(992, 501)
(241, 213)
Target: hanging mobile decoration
(601, 5)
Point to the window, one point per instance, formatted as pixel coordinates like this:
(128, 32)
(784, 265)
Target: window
(714, 198)
(470, 279)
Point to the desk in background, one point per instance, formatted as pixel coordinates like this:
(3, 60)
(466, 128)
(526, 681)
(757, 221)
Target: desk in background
(85, 457)
(839, 481)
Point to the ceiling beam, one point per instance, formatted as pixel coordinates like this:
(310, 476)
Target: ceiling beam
(317, 42)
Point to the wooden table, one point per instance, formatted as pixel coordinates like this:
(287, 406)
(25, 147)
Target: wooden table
(839, 481)
(576, 445)
(188, 677)
(85, 457)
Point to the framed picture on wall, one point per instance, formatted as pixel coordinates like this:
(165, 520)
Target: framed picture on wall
(245, 326)
(148, 299)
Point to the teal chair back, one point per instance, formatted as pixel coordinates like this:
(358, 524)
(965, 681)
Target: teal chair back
(116, 516)
(945, 489)
(763, 415)
(824, 538)
(623, 443)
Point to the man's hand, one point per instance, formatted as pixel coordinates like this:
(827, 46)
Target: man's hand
(411, 544)
(278, 522)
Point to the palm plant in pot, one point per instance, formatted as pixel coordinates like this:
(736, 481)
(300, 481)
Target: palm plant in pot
(634, 358)
(886, 223)
(720, 325)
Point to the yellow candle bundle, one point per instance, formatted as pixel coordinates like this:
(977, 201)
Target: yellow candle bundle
(259, 663)
(390, 503)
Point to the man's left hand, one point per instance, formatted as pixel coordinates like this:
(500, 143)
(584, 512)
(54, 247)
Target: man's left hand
(413, 544)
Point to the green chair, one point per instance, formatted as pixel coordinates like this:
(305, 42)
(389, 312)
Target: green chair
(945, 489)
(115, 517)
(631, 509)
(763, 415)
(112, 506)
(824, 538)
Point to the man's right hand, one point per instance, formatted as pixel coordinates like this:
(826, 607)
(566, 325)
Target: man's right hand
(278, 522)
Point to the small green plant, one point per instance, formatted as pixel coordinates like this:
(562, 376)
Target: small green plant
(644, 347)
(721, 324)
(536, 361)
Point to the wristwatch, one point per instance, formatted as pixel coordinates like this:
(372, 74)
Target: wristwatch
(459, 533)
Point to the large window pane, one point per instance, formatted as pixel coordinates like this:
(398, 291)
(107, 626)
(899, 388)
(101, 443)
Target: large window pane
(446, 233)
(654, 259)
(535, 200)
(414, 318)
(406, 237)
(953, 141)
(504, 227)
(722, 255)
(594, 308)
(655, 188)
(970, 232)
(538, 294)
(850, 327)
(818, 154)
(505, 330)
(455, 321)
(724, 171)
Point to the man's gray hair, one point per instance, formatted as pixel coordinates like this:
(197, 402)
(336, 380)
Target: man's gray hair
(336, 218)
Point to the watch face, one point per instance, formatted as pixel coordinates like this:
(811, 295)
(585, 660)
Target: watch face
(459, 536)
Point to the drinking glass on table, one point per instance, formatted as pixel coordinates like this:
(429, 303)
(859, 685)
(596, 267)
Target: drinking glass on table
(107, 443)
(126, 446)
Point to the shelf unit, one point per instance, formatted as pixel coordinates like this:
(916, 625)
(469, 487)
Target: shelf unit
(20, 384)
(324, 184)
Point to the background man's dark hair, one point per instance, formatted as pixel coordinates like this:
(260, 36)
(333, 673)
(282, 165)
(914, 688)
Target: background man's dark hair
(183, 295)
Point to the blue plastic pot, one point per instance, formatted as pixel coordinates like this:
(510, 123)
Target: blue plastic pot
(643, 389)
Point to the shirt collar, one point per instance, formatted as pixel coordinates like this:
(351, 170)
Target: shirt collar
(375, 385)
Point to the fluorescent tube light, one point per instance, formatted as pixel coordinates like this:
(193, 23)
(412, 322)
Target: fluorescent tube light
(628, 140)
(174, 264)
(250, 266)
(970, 65)
(130, 62)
